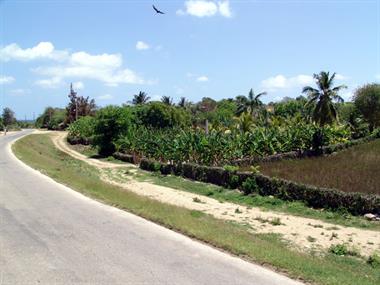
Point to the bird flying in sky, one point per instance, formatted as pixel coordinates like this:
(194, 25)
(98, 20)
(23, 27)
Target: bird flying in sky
(157, 11)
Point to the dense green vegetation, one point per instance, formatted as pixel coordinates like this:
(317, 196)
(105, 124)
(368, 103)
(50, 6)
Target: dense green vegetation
(217, 132)
(355, 169)
(39, 152)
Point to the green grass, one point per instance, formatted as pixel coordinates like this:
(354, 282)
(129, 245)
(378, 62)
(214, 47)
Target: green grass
(39, 152)
(356, 169)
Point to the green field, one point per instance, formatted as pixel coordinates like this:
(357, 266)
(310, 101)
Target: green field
(356, 169)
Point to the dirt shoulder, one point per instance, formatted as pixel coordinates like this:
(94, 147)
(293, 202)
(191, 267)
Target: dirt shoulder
(302, 233)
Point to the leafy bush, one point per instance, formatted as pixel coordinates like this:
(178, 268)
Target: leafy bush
(82, 130)
(111, 124)
(160, 115)
(250, 186)
(374, 260)
(342, 249)
(339, 249)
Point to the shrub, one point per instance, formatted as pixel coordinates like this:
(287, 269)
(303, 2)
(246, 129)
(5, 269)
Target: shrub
(338, 249)
(249, 186)
(82, 130)
(342, 249)
(374, 260)
(160, 115)
(233, 181)
(111, 123)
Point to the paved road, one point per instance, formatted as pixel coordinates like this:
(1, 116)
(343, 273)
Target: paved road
(50, 234)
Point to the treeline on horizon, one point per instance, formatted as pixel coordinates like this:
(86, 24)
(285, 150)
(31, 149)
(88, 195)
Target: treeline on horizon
(211, 131)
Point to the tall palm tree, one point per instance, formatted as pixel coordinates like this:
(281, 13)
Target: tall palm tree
(249, 104)
(141, 98)
(182, 102)
(167, 100)
(324, 96)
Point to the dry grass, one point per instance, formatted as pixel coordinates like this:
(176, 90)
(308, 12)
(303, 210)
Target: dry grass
(353, 170)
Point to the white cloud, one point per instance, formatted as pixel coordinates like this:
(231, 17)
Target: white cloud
(140, 45)
(40, 51)
(78, 85)
(53, 82)
(6, 79)
(107, 68)
(377, 76)
(202, 78)
(282, 82)
(224, 9)
(105, 97)
(99, 61)
(104, 67)
(203, 8)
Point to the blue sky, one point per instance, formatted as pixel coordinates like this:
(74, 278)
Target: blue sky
(220, 49)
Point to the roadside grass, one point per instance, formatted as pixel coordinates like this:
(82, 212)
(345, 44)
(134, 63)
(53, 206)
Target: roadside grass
(356, 169)
(92, 152)
(39, 152)
(234, 196)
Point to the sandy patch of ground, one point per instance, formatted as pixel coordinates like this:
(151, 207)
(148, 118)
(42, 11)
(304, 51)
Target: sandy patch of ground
(302, 233)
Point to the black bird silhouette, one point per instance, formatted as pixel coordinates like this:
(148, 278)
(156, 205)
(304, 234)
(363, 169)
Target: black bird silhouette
(157, 11)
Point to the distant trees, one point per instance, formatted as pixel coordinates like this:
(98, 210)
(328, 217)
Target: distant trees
(167, 100)
(8, 117)
(249, 104)
(161, 115)
(289, 107)
(52, 119)
(324, 97)
(141, 98)
(182, 102)
(367, 101)
(79, 106)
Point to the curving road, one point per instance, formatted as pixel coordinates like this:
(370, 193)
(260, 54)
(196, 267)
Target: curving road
(50, 234)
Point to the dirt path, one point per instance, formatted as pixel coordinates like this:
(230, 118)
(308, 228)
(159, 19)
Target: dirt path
(302, 233)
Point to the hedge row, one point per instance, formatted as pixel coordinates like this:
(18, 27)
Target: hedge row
(251, 183)
(78, 140)
(125, 157)
(326, 150)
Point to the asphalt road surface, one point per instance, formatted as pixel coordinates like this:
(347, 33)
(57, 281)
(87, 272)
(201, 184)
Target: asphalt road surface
(50, 234)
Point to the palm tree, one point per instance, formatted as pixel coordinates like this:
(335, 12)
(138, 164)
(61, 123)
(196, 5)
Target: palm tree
(141, 98)
(325, 111)
(167, 100)
(249, 104)
(182, 102)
